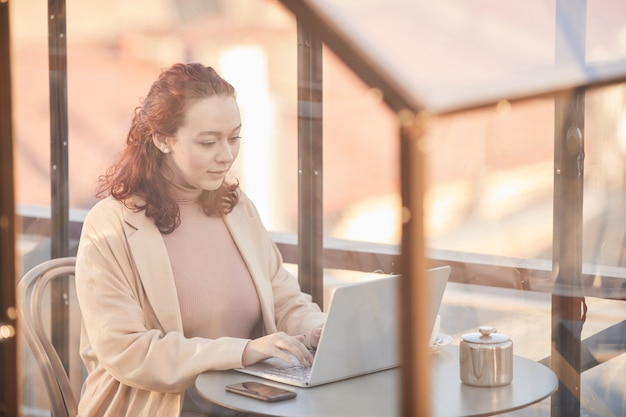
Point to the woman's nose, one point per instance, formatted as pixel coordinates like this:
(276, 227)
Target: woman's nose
(226, 153)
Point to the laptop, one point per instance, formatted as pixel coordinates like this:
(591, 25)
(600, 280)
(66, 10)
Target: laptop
(360, 335)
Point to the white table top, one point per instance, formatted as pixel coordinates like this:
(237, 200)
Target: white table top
(377, 394)
(532, 382)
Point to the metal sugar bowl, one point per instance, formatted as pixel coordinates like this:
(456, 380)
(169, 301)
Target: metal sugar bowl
(486, 358)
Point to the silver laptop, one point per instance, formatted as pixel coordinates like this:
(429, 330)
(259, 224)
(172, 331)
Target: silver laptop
(360, 335)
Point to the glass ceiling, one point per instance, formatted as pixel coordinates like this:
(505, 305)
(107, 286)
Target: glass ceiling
(448, 55)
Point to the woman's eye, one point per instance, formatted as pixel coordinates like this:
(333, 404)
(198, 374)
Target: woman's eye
(234, 138)
(207, 144)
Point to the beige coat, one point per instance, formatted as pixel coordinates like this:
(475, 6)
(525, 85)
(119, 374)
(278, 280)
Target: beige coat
(132, 343)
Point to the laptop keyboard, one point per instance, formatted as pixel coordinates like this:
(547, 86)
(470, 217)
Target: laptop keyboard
(296, 372)
(291, 371)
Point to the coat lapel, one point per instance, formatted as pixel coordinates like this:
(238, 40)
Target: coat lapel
(152, 262)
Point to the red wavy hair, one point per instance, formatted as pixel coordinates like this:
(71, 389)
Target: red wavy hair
(140, 170)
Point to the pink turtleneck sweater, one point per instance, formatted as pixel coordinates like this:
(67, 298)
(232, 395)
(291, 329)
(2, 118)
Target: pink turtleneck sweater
(216, 294)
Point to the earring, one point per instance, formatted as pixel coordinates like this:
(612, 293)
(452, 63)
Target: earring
(166, 150)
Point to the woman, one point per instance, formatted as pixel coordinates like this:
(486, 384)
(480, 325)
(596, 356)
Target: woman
(176, 274)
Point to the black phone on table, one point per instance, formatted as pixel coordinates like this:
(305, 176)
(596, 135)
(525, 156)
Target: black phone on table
(260, 391)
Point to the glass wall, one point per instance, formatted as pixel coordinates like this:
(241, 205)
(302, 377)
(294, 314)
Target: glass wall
(491, 172)
(114, 52)
(490, 200)
(112, 60)
(361, 159)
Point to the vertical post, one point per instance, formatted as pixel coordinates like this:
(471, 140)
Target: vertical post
(568, 306)
(59, 199)
(413, 297)
(8, 339)
(310, 192)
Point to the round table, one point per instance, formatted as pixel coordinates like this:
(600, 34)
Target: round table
(377, 394)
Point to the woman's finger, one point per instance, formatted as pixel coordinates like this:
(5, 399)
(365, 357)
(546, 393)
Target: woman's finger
(295, 346)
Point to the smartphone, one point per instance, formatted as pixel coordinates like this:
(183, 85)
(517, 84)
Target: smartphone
(261, 391)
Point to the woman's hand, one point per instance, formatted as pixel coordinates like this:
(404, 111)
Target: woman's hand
(278, 345)
(315, 336)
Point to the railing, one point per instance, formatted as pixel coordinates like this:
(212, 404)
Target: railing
(467, 268)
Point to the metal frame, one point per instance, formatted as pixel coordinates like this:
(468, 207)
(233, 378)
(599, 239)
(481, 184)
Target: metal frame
(413, 296)
(310, 166)
(59, 168)
(568, 307)
(8, 338)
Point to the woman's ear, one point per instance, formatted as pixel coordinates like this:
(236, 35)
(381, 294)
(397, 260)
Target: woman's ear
(162, 142)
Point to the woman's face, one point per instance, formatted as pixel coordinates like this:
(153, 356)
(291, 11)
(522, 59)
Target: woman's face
(207, 143)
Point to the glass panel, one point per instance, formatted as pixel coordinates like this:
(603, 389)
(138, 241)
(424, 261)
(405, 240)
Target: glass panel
(451, 54)
(604, 232)
(490, 200)
(113, 59)
(490, 181)
(115, 51)
(361, 162)
(490, 195)
(604, 171)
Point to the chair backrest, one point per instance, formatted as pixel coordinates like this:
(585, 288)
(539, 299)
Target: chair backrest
(30, 292)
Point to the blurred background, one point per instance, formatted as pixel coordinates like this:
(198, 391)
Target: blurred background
(490, 171)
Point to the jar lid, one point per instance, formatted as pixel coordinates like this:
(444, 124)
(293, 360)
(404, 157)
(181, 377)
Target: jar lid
(486, 335)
